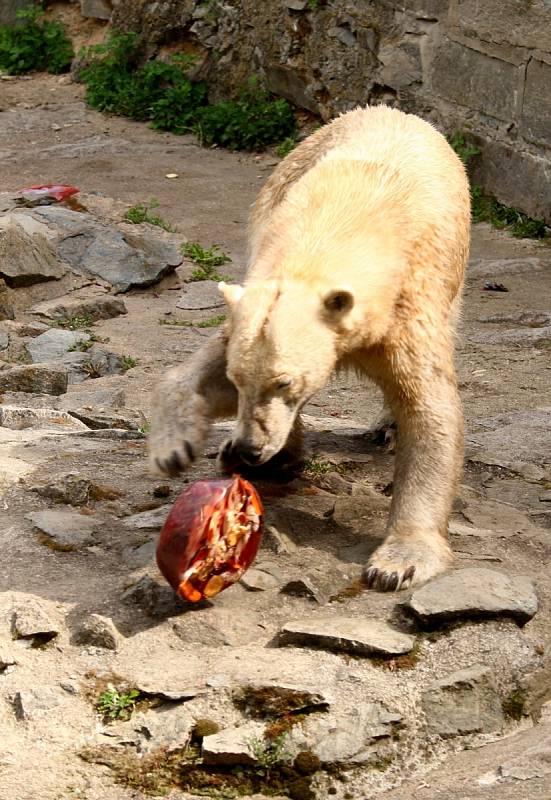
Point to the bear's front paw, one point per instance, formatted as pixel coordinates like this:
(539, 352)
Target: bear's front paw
(174, 445)
(402, 561)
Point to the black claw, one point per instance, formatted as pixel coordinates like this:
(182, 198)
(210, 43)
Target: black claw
(174, 464)
(392, 582)
(409, 573)
(189, 450)
(370, 576)
(384, 582)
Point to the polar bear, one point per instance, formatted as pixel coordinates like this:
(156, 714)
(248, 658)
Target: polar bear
(358, 247)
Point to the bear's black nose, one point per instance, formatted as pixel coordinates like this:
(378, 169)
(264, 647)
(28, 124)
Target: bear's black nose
(245, 451)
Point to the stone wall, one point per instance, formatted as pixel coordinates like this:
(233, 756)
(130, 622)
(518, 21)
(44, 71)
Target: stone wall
(482, 66)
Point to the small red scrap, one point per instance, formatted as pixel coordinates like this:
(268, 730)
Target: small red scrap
(47, 192)
(211, 537)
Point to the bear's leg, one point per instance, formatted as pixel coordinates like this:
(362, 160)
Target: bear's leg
(186, 402)
(426, 404)
(284, 466)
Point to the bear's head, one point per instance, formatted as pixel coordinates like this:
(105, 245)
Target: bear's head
(283, 346)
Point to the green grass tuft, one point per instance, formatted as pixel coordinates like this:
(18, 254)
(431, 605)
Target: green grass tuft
(35, 45)
(117, 705)
(141, 212)
(213, 322)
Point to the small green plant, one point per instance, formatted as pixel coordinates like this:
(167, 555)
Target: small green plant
(486, 208)
(76, 323)
(207, 261)
(213, 322)
(464, 148)
(286, 146)
(145, 428)
(269, 753)
(117, 705)
(36, 44)
(128, 362)
(161, 92)
(141, 212)
(251, 122)
(315, 467)
(82, 346)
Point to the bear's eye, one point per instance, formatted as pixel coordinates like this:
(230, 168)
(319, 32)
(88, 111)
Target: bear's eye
(282, 385)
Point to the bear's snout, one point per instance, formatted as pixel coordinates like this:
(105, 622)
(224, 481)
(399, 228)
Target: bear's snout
(246, 452)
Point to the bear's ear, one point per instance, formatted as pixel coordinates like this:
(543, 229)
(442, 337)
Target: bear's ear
(339, 301)
(231, 294)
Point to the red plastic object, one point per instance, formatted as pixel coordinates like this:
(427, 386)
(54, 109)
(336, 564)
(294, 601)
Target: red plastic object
(210, 537)
(49, 190)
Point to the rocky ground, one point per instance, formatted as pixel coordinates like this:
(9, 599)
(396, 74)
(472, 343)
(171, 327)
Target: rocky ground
(295, 681)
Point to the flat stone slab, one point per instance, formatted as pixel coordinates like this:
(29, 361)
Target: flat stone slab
(275, 698)
(464, 702)
(54, 343)
(34, 620)
(231, 746)
(472, 593)
(96, 307)
(65, 529)
(17, 419)
(148, 520)
(35, 379)
(200, 295)
(26, 258)
(364, 637)
(98, 631)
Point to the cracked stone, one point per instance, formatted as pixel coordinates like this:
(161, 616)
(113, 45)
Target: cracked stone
(34, 621)
(65, 529)
(103, 306)
(35, 379)
(94, 363)
(304, 587)
(353, 737)
(148, 520)
(26, 258)
(166, 728)
(17, 418)
(54, 343)
(364, 637)
(29, 703)
(464, 702)
(200, 295)
(256, 580)
(471, 593)
(98, 631)
(89, 399)
(68, 489)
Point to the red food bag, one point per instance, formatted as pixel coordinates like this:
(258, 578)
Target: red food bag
(210, 537)
(46, 193)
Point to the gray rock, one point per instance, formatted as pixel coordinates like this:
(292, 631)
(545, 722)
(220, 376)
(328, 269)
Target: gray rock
(148, 520)
(69, 489)
(304, 587)
(94, 363)
(296, 5)
(97, 307)
(363, 637)
(54, 343)
(148, 731)
(513, 439)
(65, 529)
(35, 379)
(98, 631)
(7, 657)
(474, 592)
(31, 702)
(351, 737)
(200, 295)
(124, 260)
(6, 307)
(30, 329)
(545, 497)
(156, 600)
(527, 336)
(34, 621)
(18, 418)
(256, 580)
(24, 258)
(278, 541)
(464, 702)
(97, 9)
(4, 340)
(275, 698)
(90, 399)
(532, 319)
(231, 746)
(10, 8)
(535, 762)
